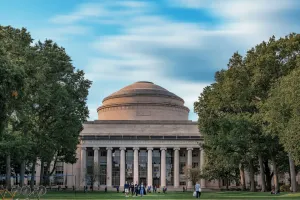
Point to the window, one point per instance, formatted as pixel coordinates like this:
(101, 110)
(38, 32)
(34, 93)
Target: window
(182, 154)
(195, 154)
(182, 183)
(181, 167)
(103, 153)
(90, 153)
(195, 164)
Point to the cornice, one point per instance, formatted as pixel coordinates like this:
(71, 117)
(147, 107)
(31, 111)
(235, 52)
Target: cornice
(155, 122)
(130, 106)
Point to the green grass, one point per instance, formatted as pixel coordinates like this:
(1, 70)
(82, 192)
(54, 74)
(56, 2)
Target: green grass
(169, 195)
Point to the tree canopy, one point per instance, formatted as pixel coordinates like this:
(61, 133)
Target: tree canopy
(42, 101)
(250, 112)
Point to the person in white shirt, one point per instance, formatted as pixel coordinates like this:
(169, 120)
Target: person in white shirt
(198, 190)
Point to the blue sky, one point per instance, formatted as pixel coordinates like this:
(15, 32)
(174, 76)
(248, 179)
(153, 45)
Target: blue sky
(177, 44)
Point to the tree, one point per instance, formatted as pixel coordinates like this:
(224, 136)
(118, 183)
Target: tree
(220, 166)
(282, 115)
(92, 175)
(192, 174)
(14, 45)
(56, 105)
(42, 102)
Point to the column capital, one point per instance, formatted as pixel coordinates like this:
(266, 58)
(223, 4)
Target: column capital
(122, 148)
(149, 148)
(189, 149)
(96, 148)
(136, 148)
(163, 149)
(109, 148)
(176, 148)
(83, 148)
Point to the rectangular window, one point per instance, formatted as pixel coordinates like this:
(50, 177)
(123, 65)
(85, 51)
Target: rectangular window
(103, 153)
(182, 183)
(195, 164)
(90, 153)
(195, 154)
(181, 167)
(182, 153)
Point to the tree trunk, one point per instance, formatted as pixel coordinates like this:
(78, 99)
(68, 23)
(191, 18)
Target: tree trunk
(262, 173)
(22, 173)
(293, 174)
(275, 172)
(269, 175)
(42, 173)
(242, 175)
(8, 172)
(227, 184)
(32, 174)
(252, 181)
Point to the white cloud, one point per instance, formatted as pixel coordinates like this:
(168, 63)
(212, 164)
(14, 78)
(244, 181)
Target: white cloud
(106, 10)
(155, 48)
(59, 34)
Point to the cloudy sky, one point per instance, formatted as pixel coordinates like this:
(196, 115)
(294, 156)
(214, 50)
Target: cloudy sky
(177, 44)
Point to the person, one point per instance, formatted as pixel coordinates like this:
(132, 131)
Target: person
(154, 189)
(117, 189)
(198, 190)
(136, 187)
(164, 189)
(142, 188)
(105, 189)
(126, 188)
(132, 188)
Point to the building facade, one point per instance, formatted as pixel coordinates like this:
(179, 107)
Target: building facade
(142, 135)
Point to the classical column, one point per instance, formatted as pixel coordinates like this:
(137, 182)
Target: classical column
(176, 167)
(189, 164)
(149, 174)
(136, 165)
(202, 181)
(109, 167)
(163, 167)
(83, 166)
(96, 165)
(122, 167)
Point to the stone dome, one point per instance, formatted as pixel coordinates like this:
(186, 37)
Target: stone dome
(143, 100)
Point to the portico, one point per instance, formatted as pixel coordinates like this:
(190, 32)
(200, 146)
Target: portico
(118, 151)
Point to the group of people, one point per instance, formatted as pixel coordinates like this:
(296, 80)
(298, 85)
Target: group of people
(135, 189)
(138, 189)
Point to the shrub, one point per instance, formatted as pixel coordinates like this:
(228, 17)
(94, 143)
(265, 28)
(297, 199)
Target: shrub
(285, 188)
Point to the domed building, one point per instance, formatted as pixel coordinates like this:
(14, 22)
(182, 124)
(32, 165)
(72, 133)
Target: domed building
(142, 135)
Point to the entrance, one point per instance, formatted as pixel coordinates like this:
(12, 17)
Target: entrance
(156, 181)
(143, 180)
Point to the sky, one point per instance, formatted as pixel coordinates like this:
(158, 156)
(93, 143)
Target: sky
(177, 44)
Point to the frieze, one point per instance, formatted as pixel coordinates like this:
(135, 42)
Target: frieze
(134, 142)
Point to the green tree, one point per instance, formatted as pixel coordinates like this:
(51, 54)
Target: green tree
(14, 46)
(282, 115)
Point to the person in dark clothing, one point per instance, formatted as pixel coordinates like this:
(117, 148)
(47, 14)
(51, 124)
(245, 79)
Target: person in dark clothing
(136, 188)
(126, 188)
(132, 188)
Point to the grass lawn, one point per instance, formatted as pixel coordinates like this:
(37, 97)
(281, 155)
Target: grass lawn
(169, 195)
